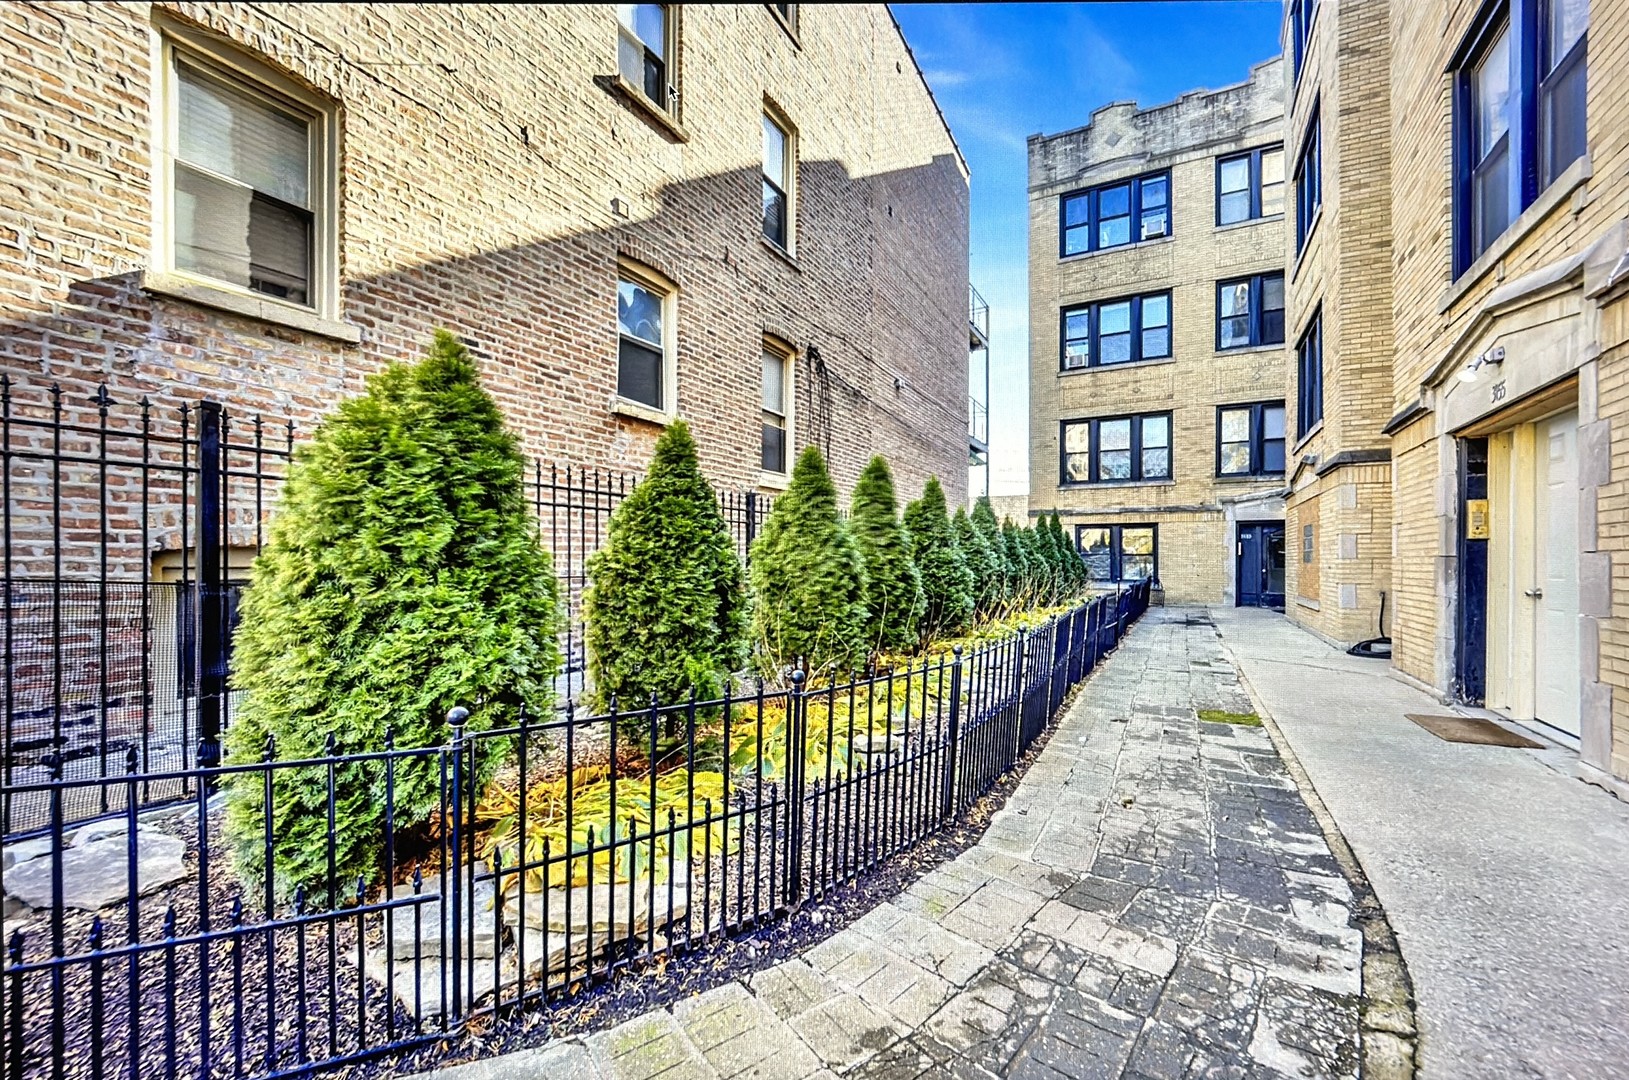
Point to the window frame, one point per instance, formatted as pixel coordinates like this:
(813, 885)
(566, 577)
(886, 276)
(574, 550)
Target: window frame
(669, 59)
(788, 194)
(1094, 317)
(1135, 450)
(1117, 551)
(1303, 17)
(788, 357)
(1309, 165)
(1258, 439)
(1530, 171)
(1135, 213)
(1258, 309)
(175, 44)
(1309, 399)
(651, 281)
(1253, 184)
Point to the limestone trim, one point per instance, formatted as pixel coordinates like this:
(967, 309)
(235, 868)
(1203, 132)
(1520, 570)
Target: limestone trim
(177, 285)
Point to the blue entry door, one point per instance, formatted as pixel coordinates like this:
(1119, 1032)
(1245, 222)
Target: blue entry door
(1260, 570)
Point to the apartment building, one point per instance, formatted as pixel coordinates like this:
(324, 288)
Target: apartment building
(751, 216)
(1337, 240)
(1460, 264)
(1157, 340)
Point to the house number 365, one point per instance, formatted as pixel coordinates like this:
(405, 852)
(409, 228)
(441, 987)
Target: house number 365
(1499, 391)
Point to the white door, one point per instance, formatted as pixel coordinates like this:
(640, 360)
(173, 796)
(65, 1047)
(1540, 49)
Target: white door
(1555, 592)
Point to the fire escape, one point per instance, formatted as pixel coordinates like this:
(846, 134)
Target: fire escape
(978, 396)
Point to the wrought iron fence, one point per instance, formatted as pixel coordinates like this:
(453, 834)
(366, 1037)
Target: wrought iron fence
(128, 532)
(736, 811)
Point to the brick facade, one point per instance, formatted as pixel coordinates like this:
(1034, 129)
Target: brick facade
(1194, 512)
(489, 178)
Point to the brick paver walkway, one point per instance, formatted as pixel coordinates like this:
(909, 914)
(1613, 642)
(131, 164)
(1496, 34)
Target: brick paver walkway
(1155, 901)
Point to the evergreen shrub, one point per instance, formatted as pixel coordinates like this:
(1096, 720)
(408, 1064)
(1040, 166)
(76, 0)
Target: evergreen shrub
(947, 583)
(984, 520)
(665, 607)
(981, 562)
(893, 587)
(808, 580)
(402, 577)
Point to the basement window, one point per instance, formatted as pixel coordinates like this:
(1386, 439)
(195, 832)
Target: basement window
(1119, 553)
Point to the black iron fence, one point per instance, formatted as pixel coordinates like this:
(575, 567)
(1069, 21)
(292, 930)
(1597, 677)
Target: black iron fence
(128, 532)
(571, 865)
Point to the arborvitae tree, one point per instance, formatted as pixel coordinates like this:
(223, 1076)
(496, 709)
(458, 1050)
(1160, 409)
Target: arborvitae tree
(1077, 566)
(893, 587)
(808, 580)
(1022, 587)
(984, 520)
(1069, 581)
(947, 583)
(1042, 564)
(665, 608)
(981, 561)
(402, 577)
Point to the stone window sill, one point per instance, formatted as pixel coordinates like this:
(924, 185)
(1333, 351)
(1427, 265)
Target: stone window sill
(1308, 437)
(774, 481)
(640, 411)
(781, 253)
(1306, 242)
(1251, 478)
(653, 112)
(1138, 246)
(1117, 367)
(1265, 219)
(1576, 175)
(192, 290)
(1311, 605)
(1244, 350)
(1097, 485)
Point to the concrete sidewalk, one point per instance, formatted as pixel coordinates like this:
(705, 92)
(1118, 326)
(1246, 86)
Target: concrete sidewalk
(1154, 902)
(1505, 879)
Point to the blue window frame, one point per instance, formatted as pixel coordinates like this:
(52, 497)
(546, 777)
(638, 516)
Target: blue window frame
(1112, 449)
(1125, 212)
(1121, 331)
(1250, 311)
(1301, 14)
(1309, 375)
(1115, 553)
(1250, 185)
(1250, 439)
(1309, 185)
(1519, 113)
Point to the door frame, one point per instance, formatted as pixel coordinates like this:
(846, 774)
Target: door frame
(1261, 529)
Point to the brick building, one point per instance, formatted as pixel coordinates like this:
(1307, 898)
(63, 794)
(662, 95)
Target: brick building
(751, 216)
(754, 189)
(1157, 353)
(1337, 241)
(1461, 255)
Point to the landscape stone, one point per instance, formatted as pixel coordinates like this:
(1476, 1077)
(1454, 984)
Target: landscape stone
(95, 875)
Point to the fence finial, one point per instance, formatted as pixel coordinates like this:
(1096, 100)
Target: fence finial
(457, 716)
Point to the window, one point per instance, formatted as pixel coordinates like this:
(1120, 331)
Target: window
(643, 47)
(1301, 13)
(788, 14)
(1250, 311)
(1309, 370)
(1250, 185)
(777, 408)
(643, 371)
(1519, 114)
(777, 183)
(1128, 448)
(1309, 545)
(1250, 439)
(1117, 331)
(1117, 214)
(247, 198)
(1115, 553)
(1309, 191)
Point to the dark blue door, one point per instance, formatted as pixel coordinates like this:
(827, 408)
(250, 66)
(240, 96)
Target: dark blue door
(1260, 570)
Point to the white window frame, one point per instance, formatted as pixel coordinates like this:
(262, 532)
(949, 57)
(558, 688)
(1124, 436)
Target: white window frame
(789, 357)
(653, 282)
(670, 62)
(790, 178)
(255, 78)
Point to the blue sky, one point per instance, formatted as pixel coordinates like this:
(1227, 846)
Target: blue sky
(1003, 72)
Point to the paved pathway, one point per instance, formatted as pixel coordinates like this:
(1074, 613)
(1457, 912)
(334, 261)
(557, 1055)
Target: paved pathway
(1155, 901)
(1505, 879)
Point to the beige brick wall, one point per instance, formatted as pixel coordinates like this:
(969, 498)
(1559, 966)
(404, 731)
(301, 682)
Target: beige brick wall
(1187, 136)
(479, 162)
(1342, 274)
(1432, 312)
